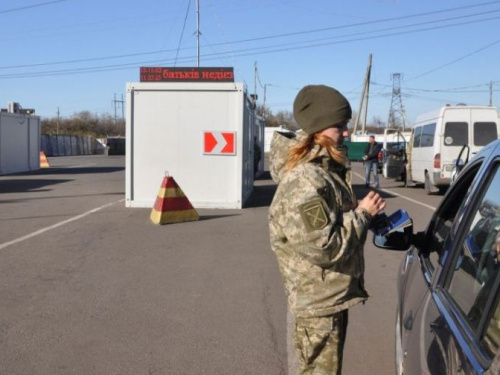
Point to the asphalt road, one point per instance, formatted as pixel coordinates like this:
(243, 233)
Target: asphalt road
(88, 286)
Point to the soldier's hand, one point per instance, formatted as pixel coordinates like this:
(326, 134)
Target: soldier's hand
(373, 203)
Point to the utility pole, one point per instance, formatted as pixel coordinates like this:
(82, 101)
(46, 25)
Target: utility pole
(57, 129)
(397, 117)
(363, 104)
(114, 102)
(114, 105)
(255, 84)
(264, 101)
(123, 108)
(198, 33)
(491, 93)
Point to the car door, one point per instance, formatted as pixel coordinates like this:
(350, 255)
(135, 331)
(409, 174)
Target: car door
(450, 318)
(394, 156)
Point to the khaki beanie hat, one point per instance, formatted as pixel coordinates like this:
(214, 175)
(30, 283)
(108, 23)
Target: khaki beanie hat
(318, 107)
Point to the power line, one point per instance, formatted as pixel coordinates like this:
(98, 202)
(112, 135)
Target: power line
(31, 6)
(456, 60)
(299, 33)
(182, 32)
(241, 53)
(363, 23)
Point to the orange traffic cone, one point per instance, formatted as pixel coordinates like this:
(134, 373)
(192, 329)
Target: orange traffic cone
(44, 163)
(171, 205)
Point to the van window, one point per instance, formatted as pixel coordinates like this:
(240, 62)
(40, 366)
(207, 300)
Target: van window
(456, 134)
(428, 135)
(484, 133)
(416, 136)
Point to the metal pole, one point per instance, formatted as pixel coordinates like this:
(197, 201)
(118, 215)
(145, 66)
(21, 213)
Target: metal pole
(491, 93)
(368, 75)
(114, 104)
(366, 84)
(123, 108)
(198, 30)
(57, 130)
(255, 84)
(264, 101)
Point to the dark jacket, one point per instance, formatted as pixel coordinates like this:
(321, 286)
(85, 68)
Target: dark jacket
(373, 155)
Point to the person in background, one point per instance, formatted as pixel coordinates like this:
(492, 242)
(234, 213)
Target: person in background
(257, 156)
(371, 161)
(317, 228)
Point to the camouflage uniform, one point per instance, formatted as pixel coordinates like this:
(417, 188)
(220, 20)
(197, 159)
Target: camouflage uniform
(317, 234)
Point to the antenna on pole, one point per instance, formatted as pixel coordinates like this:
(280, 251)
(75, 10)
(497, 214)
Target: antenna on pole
(363, 104)
(198, 33)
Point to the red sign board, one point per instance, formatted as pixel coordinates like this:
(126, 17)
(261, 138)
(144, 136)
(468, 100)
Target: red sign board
(156, 74)
(219, 143)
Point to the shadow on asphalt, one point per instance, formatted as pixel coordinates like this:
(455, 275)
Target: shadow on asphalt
(22, 186)
(118, 193)
(211, 217)
(263, 192)
(60, 171)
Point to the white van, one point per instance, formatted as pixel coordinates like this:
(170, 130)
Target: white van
(439, 136)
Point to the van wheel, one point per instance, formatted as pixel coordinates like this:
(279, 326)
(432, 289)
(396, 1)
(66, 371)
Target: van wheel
(427, 184)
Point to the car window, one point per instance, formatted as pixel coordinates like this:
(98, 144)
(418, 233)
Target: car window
(456, 134)
(438, 232)
(484, 133)
(474, 281)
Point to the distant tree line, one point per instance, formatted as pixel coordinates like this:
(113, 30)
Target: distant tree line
(285, 118)
(104, 125)
(85, 123)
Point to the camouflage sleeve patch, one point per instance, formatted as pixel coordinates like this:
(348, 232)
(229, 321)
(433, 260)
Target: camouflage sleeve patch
(313, 215)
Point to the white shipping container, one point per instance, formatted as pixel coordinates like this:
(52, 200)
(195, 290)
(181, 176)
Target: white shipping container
(167, 127)
(19, 143)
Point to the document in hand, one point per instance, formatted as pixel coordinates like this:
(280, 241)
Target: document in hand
(383, 225)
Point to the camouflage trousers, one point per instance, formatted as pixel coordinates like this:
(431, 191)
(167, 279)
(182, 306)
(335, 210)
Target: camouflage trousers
(319, 344)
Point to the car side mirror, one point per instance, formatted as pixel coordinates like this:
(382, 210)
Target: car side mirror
(400, 240)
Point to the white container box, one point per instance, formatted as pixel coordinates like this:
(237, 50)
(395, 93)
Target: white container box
(181, 129)
(19, 143)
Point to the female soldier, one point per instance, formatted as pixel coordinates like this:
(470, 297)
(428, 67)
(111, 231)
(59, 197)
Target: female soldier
(317, 229)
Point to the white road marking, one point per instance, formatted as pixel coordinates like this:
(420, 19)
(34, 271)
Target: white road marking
(400, 195)
(46, 229)
(82, 165)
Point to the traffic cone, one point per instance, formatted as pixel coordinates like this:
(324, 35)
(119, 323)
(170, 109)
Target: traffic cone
(44, 163)
(171, 205)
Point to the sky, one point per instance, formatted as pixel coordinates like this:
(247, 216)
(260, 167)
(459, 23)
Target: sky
(67, 56)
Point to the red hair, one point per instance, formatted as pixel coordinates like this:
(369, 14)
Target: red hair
(299, 153)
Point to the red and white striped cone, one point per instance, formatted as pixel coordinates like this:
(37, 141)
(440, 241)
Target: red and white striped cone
(171, 205)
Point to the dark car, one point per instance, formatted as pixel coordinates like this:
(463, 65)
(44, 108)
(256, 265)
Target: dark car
(448, 313)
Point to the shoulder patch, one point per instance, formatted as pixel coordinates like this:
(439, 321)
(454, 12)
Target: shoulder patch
(313, 214)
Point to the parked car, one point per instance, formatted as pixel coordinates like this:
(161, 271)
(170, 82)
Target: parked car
(448, 311)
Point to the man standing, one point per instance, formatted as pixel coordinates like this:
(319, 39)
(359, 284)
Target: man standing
(371, 161)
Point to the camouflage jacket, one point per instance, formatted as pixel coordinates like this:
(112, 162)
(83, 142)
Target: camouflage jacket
(317, 233)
